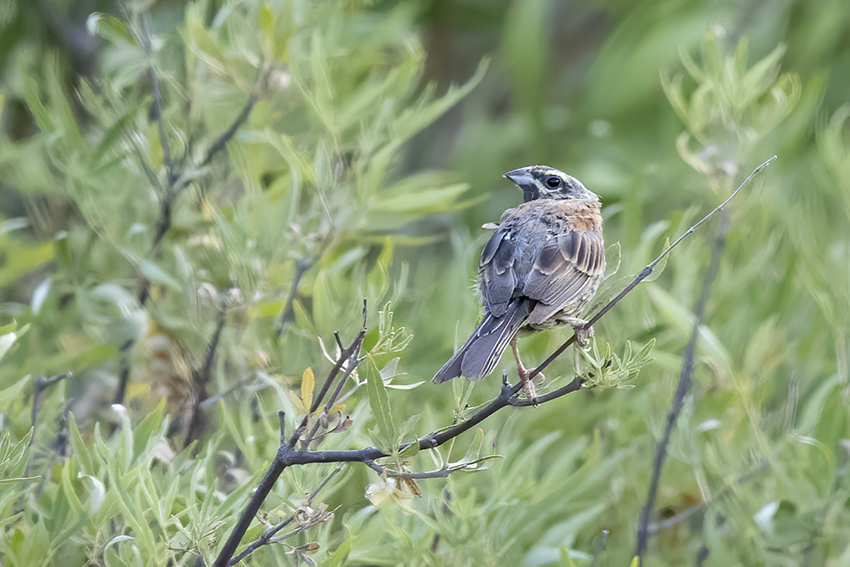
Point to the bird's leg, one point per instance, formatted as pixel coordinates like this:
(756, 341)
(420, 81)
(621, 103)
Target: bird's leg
(523, 372)
(583, 333)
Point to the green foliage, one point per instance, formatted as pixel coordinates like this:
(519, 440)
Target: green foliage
(143, 235)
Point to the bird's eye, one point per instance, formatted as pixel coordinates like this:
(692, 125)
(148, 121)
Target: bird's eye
(553, 181)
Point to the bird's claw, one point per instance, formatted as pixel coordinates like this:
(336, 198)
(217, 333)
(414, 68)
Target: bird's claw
(582, 331)
(528, 383)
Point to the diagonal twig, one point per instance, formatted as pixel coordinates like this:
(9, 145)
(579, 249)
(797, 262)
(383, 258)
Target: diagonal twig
(267, 536)
(301, 267)
(202, 375)
(228, 134)
(680, 517)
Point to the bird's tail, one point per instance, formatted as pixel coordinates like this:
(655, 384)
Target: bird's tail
(482, 350)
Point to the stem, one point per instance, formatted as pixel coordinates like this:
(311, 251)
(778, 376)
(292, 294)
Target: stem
(684, 386)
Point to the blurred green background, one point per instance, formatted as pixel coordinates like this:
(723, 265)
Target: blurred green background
(375, 137)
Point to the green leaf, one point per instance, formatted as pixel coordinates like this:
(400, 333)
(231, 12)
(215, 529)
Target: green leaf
(110, 28)
(380, 403)
(156, 274)
(266, 22)
(13, 393)
(6, 342)
(95, 356)
(144, 431)
(79, 447)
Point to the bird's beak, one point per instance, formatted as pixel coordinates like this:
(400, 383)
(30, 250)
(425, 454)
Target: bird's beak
(523, 179)
(519, 176)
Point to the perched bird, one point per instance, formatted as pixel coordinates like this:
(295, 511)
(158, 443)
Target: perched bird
(539, 269)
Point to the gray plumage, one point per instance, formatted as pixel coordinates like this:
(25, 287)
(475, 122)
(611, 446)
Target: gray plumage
(541, 266)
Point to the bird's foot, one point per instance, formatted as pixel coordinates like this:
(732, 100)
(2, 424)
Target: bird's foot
(524, 373)
(528, 383)
(582, 331)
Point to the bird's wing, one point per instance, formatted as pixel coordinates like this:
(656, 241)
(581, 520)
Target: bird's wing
(497, 273)
(567, 267)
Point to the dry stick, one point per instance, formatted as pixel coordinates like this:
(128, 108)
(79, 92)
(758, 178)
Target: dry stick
(201, 376)
(683, 387)
(287, 456)
(301, 267)
(40, 385)
(265, 539)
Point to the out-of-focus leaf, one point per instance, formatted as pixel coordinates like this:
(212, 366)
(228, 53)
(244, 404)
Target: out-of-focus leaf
(39, 294)
(156, 274)
(110, 28)
(6, 342)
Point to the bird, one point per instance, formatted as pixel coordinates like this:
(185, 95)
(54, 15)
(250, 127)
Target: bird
(541, 266)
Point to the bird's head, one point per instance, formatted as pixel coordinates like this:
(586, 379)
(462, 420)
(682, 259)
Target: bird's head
(544, 182)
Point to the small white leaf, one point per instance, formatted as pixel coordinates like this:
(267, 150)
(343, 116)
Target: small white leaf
(40, 294)
(764, 517)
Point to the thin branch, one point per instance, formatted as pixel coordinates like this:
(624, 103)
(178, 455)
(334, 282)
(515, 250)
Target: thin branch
(702, 555)
(683, 387)
(283, 457)
(124, 365)
(680, 517)
(173, 185)
(301, 267)
(201, 376)
(40, 385)
(267, 536)
(597, 555)
(438, 473)
(345, 357)
(251, 509)
(156, 106)
(352, 365)
(222, 140)
(435, 439)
